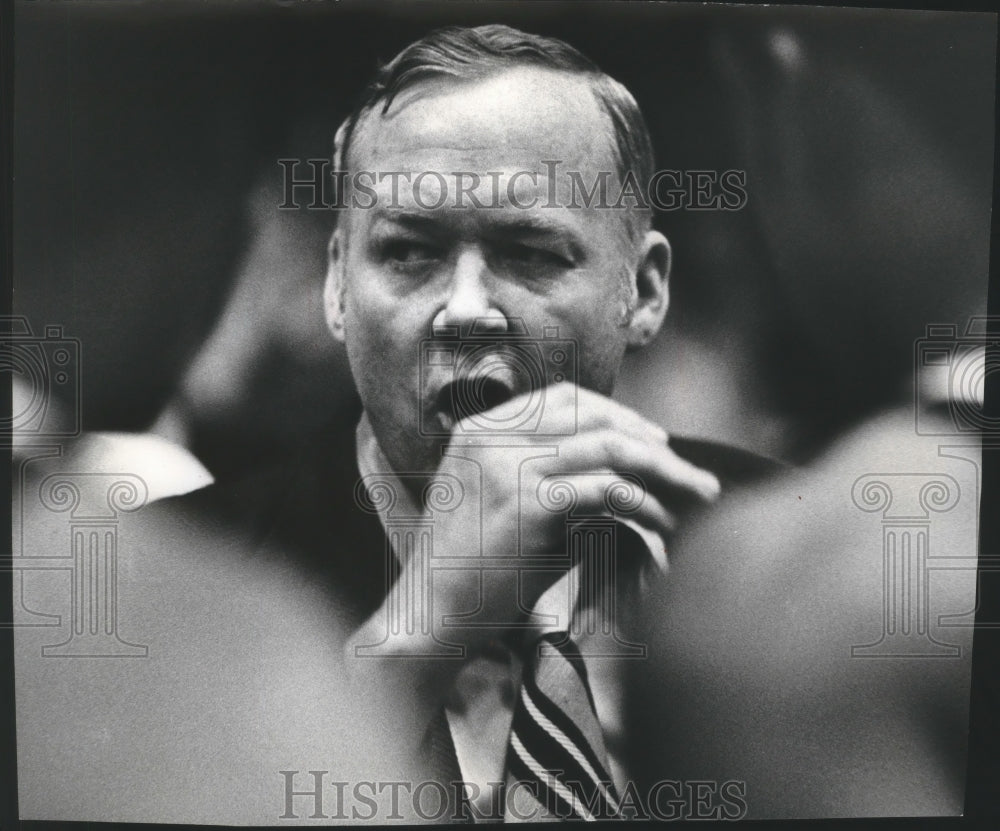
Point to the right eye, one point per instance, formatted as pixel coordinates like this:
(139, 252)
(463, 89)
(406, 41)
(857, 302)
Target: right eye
(407, 252)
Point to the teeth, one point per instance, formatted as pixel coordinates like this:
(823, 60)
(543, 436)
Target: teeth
(446, 422)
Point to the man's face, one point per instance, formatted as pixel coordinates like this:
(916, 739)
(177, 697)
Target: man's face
(400, 268)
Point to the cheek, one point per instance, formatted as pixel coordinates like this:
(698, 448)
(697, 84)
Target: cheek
(597, 323)
(382, 335)
(600, 359)
(370, 308)
(595, 301)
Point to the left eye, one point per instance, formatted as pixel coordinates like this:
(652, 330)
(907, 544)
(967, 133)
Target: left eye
(534, 256)
(409, 251)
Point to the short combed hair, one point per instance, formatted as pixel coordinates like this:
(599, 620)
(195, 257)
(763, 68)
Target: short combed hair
(471, 53)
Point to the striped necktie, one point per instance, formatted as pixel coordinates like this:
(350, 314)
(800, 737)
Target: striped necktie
(556, 760)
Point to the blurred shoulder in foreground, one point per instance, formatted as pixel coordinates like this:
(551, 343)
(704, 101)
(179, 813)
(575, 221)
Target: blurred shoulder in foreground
(813, 639)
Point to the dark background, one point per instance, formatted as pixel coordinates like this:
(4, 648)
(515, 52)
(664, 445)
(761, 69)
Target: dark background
(146, 182)
(146, 186)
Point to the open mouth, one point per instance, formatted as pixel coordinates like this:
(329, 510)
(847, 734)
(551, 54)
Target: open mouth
(470, 397)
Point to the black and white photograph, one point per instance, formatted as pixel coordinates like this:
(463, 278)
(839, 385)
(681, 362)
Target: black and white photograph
(469, 412)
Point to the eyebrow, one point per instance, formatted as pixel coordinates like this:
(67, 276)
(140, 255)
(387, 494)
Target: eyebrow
(523, 225)
(415, 220)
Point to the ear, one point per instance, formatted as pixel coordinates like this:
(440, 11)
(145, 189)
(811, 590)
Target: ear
(333, 288)
(651, 295)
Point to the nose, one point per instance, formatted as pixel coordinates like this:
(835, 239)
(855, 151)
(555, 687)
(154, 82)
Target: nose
(470, 304)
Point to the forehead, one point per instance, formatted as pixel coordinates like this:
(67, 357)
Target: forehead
(512, 119)
(511, 123)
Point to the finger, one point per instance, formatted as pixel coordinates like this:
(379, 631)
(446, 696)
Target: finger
(596, 494)
(596, 411)
(565, 409)
(662, 471)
